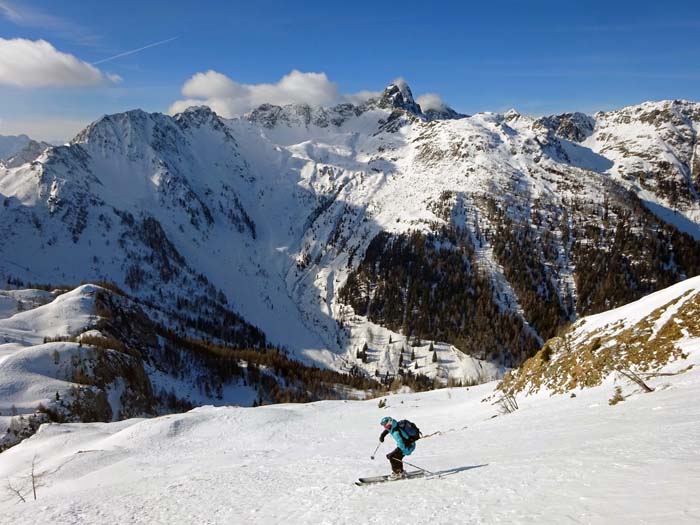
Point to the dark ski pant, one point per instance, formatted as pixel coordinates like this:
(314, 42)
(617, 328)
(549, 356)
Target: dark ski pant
(395, 458)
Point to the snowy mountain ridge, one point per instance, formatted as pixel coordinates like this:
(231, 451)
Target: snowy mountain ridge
(11, 144)
(272, 215)
(397, 96)
(20, 149)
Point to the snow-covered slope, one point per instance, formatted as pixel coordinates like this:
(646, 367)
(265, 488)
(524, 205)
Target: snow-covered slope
(44, 365)
(656, 152)
(268, 215)
(638, 462)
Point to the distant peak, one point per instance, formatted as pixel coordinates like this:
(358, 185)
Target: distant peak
(198, 116)
(398, 95)
(198, 110)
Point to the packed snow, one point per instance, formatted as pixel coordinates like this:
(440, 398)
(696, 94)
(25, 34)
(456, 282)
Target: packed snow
(556, 460)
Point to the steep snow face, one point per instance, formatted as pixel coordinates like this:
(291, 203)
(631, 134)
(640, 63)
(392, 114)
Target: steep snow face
(276, 208)
(159, 205)
(297, 463)
(656, 153)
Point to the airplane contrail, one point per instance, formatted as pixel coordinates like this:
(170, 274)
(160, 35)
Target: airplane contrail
(125, 53)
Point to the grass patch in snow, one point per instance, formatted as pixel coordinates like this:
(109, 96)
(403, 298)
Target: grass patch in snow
(583, 361)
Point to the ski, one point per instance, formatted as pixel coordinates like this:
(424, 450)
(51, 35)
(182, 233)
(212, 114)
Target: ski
(383, 479)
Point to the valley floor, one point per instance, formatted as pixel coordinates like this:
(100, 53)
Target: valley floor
(556, 460)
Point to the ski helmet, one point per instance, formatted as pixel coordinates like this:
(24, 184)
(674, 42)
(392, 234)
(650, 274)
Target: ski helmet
(386, 422)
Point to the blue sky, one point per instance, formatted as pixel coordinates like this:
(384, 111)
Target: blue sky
(537, 56)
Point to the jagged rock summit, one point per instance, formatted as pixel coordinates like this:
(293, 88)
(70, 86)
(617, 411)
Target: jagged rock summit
(397, 95)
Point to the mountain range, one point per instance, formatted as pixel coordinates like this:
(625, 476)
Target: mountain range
(363, 237)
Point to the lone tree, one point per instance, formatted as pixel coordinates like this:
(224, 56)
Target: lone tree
(435, 357)
(432, 348)
(363, 353)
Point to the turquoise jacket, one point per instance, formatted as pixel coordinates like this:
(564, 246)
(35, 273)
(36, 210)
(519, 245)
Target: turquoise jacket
(398, 437)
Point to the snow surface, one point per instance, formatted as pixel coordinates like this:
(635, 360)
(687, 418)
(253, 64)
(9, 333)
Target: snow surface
(64, 316)
(13, 301)
(556, 460)
(33, 372)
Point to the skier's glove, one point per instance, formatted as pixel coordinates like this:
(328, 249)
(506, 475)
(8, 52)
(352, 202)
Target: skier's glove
(381, 438)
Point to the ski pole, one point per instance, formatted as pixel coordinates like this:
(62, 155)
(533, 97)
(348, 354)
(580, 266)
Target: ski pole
(419, 468)
(375, 450)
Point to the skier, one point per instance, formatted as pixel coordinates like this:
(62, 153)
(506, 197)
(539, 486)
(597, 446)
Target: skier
(405, 434)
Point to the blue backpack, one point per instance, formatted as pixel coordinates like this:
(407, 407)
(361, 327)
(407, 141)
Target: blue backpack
(409, 431)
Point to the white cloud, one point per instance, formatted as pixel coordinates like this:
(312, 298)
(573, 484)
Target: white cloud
(28, 17)
(431, 101)
(400, 82)
(29, 63)
(229, 98)
(114, 78)
(213, 85)
(361, 96)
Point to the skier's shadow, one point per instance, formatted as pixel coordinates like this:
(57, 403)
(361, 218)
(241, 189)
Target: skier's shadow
(456, 470)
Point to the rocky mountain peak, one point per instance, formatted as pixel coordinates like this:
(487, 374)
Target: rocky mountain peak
(575, 127)
(511, 114)
(118, 126)
(398, 95)
(444, 113)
